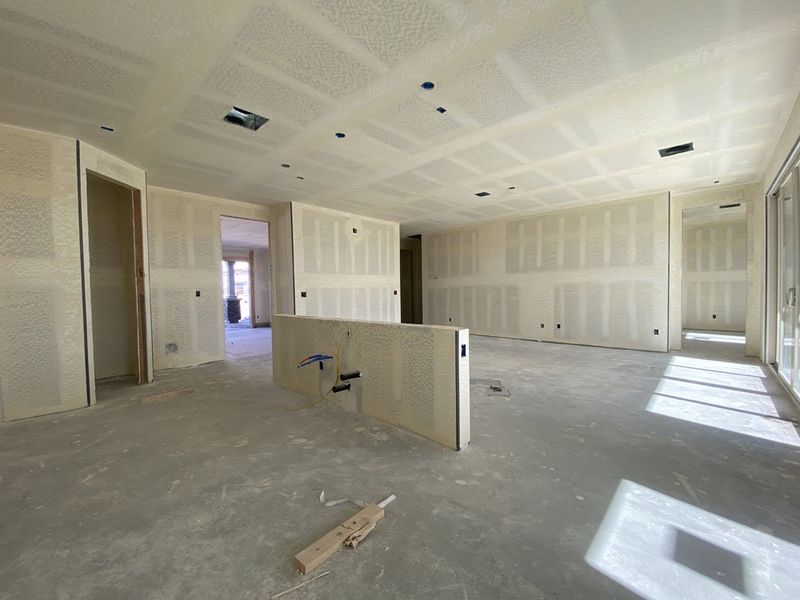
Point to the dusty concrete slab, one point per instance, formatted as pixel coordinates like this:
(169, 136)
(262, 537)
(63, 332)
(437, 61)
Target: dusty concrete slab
(241, 342)
(210, 494)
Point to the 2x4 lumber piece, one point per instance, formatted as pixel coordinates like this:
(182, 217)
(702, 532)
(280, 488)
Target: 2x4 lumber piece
(354, 530)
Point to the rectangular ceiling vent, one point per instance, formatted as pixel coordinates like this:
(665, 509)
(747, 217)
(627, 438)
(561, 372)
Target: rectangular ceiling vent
(679, 149)
(244, 118)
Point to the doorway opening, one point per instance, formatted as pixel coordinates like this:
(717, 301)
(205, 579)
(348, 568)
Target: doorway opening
(714, 279)
(116, 269)
(246, 287)
(411, 280)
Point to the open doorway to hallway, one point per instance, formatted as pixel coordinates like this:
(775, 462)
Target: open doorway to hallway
(246, 287)
(714, 286)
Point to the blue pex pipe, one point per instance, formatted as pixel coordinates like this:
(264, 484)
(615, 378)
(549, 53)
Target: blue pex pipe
(308, 360)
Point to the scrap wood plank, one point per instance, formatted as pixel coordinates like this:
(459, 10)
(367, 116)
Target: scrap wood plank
(350, 532)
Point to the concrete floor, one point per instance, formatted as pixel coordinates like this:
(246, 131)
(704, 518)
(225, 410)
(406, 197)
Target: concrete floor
(243, 342)
(209, 495)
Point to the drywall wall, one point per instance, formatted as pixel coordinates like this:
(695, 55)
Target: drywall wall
(185, 258)
(113, 288)
(281, 249)
(600, 272)
(751, 196)
(715, 273)
(262, 289)
(42, 368)
(412, 376)
(345, 266)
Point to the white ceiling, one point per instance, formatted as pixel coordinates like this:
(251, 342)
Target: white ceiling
(567, 101)
(243, 233)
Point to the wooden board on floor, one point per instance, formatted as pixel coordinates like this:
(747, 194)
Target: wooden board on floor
(330, 543)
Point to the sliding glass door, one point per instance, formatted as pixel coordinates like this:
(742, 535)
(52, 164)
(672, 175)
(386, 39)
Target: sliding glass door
(788, 279)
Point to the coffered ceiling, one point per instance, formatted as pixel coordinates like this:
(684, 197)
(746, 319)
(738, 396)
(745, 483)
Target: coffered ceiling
(548, 103)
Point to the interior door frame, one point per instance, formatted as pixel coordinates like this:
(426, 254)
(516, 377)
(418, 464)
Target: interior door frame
(95, 162)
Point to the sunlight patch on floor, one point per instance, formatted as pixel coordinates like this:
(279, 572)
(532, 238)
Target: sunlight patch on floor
(724, 395)
(725, 338)
(664, 549)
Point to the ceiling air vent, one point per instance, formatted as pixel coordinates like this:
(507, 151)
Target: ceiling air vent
(482, 194)
(244, 118)
(679, 149)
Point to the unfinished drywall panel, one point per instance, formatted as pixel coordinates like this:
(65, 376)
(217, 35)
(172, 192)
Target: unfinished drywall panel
(282, 255)
(262, 286)
(42, 367)
(412, 376)
(96, 162)
(751, 196)
(715, 269)
(185, 258)
(113, 286)
(346, 266)
(593, 275)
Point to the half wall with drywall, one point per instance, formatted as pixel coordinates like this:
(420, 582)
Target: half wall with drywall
(412, 376)
(593, 275)
(345, 266)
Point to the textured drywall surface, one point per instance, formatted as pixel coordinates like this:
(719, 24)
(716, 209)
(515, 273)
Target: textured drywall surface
(262, 287)
(282, 258)
(752, 197)
(600, 272)
(347, 266)
(113, 287)
(566, 101)
(185, 257)
(715, 274)
(41, 317)
(411, 375)
(96, 161)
